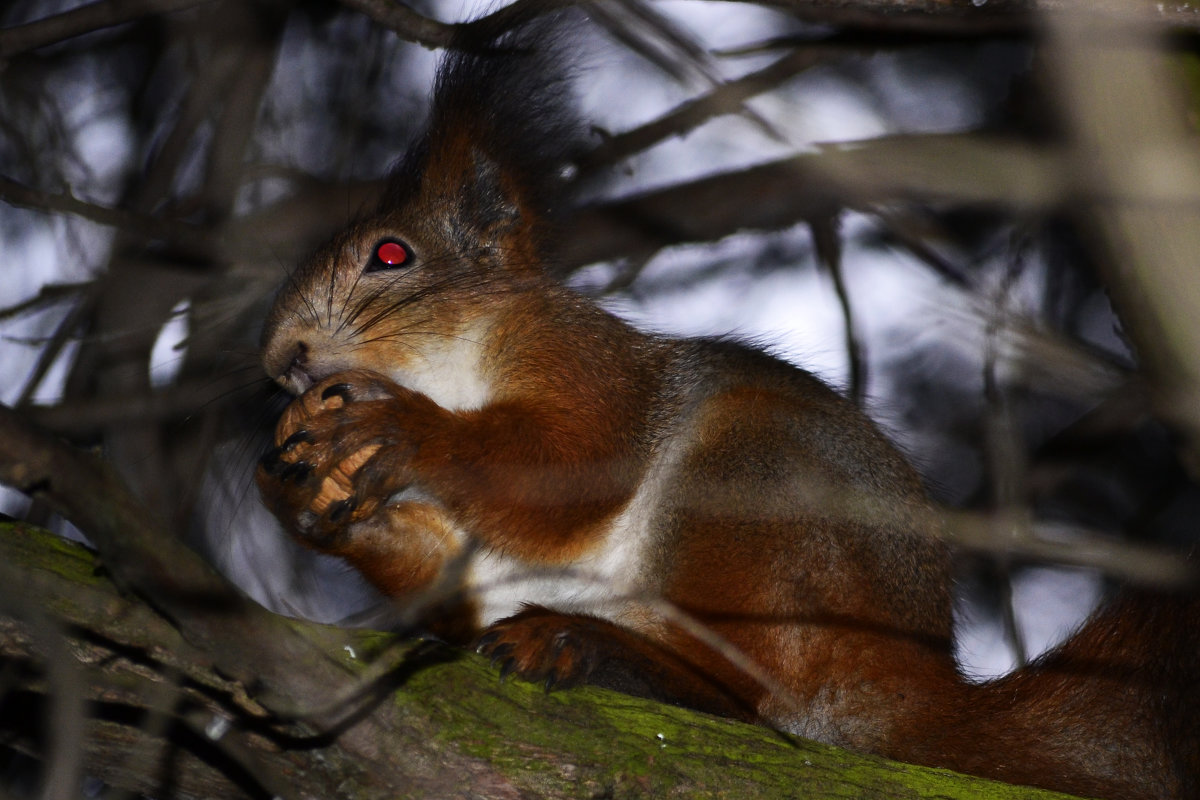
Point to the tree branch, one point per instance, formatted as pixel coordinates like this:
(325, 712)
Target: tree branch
(431, 33)
(449, 728)
(248, 643)
(85, 19)
(727, 98)
(994, 17)
(968, 169)
(139, 226)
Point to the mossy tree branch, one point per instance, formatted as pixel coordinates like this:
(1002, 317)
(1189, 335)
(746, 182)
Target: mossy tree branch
(439, 722)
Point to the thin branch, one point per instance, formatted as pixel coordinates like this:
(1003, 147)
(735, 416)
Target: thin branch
(656, 38)
(84, 417)
(954, 17)
(1008, 467)
(828, 244)
(433, 34)
(48, 295)
(661, 41)
(727, 98)
(405, 22)
(200, 99)
(55, 346)
(968, 169)
(85, 19)
(139, 226)
(903, 226)
(250, 52)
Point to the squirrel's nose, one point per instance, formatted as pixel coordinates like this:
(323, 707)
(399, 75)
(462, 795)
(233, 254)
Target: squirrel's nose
(292, 372)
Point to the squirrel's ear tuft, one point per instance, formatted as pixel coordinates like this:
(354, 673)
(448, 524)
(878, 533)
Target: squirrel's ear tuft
(494, 204)
(503, 126)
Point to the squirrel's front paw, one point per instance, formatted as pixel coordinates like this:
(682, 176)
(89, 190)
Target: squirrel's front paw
(338, 456)
(311, 493)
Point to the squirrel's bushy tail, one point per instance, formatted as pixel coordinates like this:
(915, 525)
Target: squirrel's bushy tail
(1113, 712)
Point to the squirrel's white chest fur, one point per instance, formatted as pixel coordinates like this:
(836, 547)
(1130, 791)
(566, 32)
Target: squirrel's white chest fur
(450, 370)
(609, 581)
(603, 583)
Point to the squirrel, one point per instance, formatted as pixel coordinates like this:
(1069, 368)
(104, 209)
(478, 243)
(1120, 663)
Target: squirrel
(689, 520)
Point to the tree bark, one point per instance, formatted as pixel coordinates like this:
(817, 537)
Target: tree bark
(417, 719)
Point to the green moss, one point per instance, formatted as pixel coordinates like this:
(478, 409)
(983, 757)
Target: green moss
(38, 548)
(623, 746)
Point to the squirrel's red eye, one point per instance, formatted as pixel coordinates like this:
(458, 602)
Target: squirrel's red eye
(388, 254)
(392, 253)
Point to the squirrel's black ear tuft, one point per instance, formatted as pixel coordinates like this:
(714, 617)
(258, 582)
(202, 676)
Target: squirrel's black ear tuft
(503, 126)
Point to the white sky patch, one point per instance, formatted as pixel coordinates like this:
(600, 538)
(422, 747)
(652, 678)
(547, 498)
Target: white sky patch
(725, 25)
(105, 144)
(793, 311)
(790, 311)
(168, 352)
(1048, 603)
(27, 264)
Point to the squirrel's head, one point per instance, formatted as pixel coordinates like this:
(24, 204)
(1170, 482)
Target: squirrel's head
(414, 290)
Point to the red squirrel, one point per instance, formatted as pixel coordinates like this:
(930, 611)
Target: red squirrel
(463, 417)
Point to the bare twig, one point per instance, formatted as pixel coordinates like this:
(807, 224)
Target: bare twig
(85, 417)
(139, 226)
(1007, 463)
(908, 231)
(662, 42)
(726, 98)
(965, 168)
(952, 17)
(85, 19)
(431, 33)
(54, 347)
(828, 244)
(404, 21)
(249, 54)
(48, 295)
